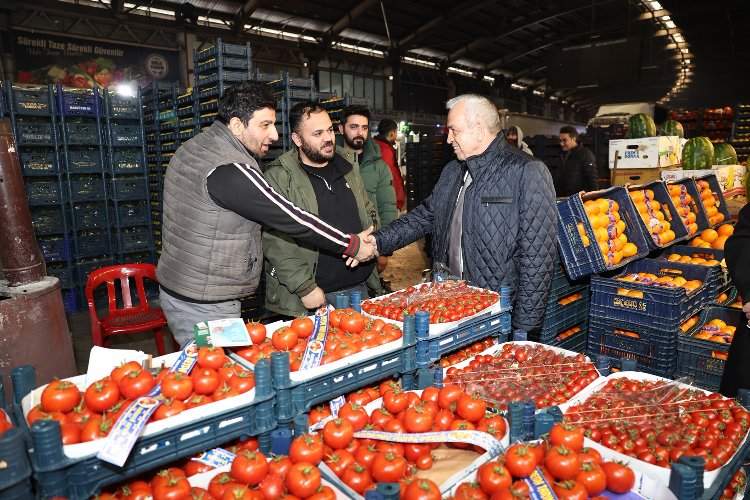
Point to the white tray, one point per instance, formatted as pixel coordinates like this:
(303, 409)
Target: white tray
(653, 471)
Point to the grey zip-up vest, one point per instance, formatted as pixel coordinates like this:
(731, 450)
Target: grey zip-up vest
(208, 253)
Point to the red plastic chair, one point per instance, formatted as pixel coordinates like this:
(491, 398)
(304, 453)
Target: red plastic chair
(129, 319)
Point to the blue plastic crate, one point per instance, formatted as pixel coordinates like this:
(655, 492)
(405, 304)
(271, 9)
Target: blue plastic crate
(126, 134)
(661, 195)
(63, 273)
(35, 134)
(78, 102)
(721, 204)
(219, 47)
(87, 188)
(36, 101)
(561, 284)
(43, 192)
(702, 359)
(580, 260)
(90, 215)
(129, 188)
(92, 244)
(731, 297)
(136, 213)
(576, 342)
(660, 307)
(54, 248)
(654, 350)
(70, 300)
(224, 62)
(721, 277)
(123, 106)
(85, 161)
(223, 76)
(85, 267)
(558, 317)
(135, 239)
(39, 162)
(690, 188)
(16, 473)
(82, 132)
(127, 161)
(56, 474)
(48, 220)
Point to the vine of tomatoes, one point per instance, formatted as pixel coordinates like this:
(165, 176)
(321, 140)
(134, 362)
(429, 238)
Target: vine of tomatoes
(90, 414)
(446, 302)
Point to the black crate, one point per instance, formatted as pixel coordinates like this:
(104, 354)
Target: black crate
(48, 220)
(241, 63)
(229, 49)
(92, 243)
(82, 132)
(123, 107)
(62, 272)
(90, 215)
(134, 213)
(87, 188)
(135, 239)
(129, 188)
(127, 161)
(35, 101)
(39, 162)
(44, 192)
(125, 134)
(35, 134)
(719, 201)
(86, 266)
(85, 161)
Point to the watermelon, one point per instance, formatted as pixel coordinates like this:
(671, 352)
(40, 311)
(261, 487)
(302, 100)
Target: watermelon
(724, 154)
(672, 127)
(697, 154)
(641, 125)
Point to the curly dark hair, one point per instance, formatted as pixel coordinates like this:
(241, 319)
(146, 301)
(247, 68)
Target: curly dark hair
(244, 99)
(354, 110)
(300, 110)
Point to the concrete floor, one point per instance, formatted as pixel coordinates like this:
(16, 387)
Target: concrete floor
(404, 268)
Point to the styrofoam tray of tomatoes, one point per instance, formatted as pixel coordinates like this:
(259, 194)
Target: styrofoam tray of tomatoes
(85, 449)
(523, 371)
(438, 299)
(647, 406)
(296, 347)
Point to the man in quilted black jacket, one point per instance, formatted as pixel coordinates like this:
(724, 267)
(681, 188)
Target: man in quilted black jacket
(492, 214)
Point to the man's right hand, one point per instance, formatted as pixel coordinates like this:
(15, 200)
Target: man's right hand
(314, 299)
(368, 248)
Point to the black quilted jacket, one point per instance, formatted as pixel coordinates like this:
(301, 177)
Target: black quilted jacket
(509, 226)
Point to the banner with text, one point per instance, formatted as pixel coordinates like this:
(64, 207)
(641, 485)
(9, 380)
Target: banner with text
(76, 62)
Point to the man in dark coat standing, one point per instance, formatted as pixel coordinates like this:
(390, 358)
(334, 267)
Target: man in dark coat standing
(577, 170)
(737, 256)
(492, 213)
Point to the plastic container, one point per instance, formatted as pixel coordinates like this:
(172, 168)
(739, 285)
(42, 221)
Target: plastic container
(229, 49)
(85, 267)
(70, 300)
(43, 192)
(75, 472)
(90, 215)
(39, 162)
(731, 297)
(559, 317)
(721, 203)
(135, 239)
(125, 134)
(54, 248)
(35, 101)
(577, 342)
(85, 161)
(659, 307)
(134, 213)
(48, 220)
(78, 102)
(87, 188)
(655, 351)
(15, 473)
(35, 134)
(721, 276)
(127, 161)
(82, 132)
(561, 285)
(129, 188)
(123, 107)
(661, 194)
(580, 260)
(224, 62)
(695, 206)
(62, 272)
(92, 243)
(704, 359)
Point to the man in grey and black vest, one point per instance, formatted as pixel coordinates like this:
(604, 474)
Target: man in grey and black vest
(215, 200)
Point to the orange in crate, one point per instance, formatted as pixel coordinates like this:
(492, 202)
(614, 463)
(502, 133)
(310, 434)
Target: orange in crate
(711, 202)
(653, 215)
(682, 200)
(609, 230)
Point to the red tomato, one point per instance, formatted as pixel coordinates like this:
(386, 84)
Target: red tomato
(306, 448)
(249, 467)
(338, 433)
(168, 408)
(520, 461)
(356, 414)
(284, 339)
(388, 467)
(471, 408)
(569, 490)
(620, 477)
(61, 396)
(177, 385)
(220, 483)
(257, 332)
(96, 428)
(493, 477)
(592, 478)
(205, 380)
(117, 373)
(303, 479)
(102, 395)
(211, 357)
(422, 489)
(242, 381)
(136, 383)
(303, 327)
(357, 478)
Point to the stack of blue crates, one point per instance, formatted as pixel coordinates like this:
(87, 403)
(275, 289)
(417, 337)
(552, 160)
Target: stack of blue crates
(83, 144)
(128, 190)
(34, 117)
(289, 91)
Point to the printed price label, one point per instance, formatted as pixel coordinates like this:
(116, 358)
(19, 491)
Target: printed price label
(218, 457)
(317, 342)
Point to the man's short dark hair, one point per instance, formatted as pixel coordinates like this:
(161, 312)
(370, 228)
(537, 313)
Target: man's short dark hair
(244, 99)
(302, 110)
(354, 110)
(387, 126)
(570, 130)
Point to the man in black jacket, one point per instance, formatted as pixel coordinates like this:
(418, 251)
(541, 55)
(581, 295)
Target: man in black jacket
(577, 170)
(492, 213)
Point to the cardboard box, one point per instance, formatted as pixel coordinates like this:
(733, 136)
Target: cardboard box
(638, 175)
(729, 176)
(649, 152)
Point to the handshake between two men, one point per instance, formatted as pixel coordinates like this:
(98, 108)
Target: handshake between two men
(368, 248)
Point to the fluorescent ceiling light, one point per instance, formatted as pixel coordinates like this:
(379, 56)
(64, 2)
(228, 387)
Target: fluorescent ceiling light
(670, 24)
(656, 5)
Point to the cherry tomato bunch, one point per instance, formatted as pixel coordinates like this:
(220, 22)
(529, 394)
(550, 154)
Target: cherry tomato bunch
(657, 422)
(349, 332)
(361, 463)
(5, 422)
(522, 372)
(446, 302)
(573, 471)
(735, 486)
(466, 353)
(89, 415)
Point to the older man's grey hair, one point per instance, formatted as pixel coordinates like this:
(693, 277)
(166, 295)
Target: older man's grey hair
(478, 110)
